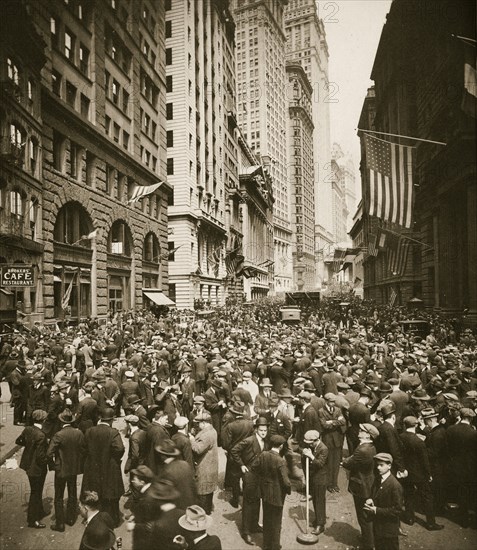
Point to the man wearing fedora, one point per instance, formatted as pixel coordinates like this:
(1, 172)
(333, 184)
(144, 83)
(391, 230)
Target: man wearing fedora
(195, 523)
(135, 407)
(359, 413)
(156, 433)
(386, 505)
(102, 470)
(187, 387)
(245, 454)
(34, 462)
(418, 482)
(177, 471)
(388, 440)
(38, 397)
(274, 486)
(216, 405)
(261, 405)
(57, 405)
(98, 533)
(361, 467)
(235, 431)
(137, 446)
(67, 449)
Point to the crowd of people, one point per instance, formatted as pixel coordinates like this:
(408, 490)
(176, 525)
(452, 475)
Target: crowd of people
(347, 387)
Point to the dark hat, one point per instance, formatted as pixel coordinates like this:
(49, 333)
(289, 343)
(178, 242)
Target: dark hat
(364, 391)
(89, 386)
(420, 395)
(385, 387)
(306, 395)
(388, 408)
(393, 381)
(62, 385)
(98, 536)
(238, 408)
(217, 384)
(167, 448)
(384, 457)
(133, 398)
(453, 382)
(342, 386)
(286, 393)
(262, 421)
(277, 440)
(164, 490)
(143, 472)
(66, 417)
(107, 414)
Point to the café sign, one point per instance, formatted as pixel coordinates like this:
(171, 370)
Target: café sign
(16, 275)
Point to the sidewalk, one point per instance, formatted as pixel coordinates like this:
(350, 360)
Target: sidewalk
(8, 432)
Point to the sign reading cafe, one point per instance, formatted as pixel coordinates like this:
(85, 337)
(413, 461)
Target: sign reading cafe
(18, 276)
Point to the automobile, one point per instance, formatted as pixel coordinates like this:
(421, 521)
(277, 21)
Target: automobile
(416, 327)
(290, 314)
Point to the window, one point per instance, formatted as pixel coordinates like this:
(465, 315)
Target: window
(118, 241)
(168, 56)
(33, 212)
(110, 175)
(169, 111)
(33, 154)
(15, 135)
(30, 89)
(168, 29)
(170, 138)
(107, 125)
(125, 140)
(147, 123)
(70, 94)
(151, 250)
(55, 40)
(116, 132)
(58, 151)
(168, 5)
(74, 154)
(84, 59)
(85, 106)
(12, 71)
(16, 204)
(169, 83)
(170, 166)
(90, 169)
(115, 92)
(70, 45)
(125, 102)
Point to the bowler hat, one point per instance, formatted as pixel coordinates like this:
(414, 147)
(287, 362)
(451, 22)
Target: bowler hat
(421, 395)
(107, 414)
(385, 387)
(237, 407)
(365, 392)
(428, 412)
(388, 408)
(262, 421)
(164, 490)
(66, 417)
(195, 519)
(143, 472)
(133, 398)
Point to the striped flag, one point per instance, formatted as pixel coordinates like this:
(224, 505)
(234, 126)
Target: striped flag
(372, 248)
(397, 254)
(338, 259)
(141, 191)
(390, 191)
(67, 295)
(392, 296)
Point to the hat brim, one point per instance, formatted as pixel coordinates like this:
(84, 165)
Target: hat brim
(204, 525)
(161, 451)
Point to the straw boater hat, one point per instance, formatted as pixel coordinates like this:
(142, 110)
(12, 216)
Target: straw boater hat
(265, 383)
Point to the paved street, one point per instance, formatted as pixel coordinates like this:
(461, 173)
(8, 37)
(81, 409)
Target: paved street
(342, 530)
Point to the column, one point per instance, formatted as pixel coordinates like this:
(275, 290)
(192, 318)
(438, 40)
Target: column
(472, 251)
(94, 279)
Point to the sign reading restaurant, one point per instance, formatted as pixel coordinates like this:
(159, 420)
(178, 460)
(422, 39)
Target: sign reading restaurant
(18, 276)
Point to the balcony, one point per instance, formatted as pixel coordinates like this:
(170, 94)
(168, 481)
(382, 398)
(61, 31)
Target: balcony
(10, 89)
(12, 152)
(13, 228)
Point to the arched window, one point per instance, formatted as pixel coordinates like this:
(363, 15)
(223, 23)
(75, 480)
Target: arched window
(151, 249)
(16, 204)
(73, 225)
(120, 239)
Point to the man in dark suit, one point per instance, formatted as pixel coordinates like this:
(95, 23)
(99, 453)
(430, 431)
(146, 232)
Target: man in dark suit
(99, 525)
(216, 405)
(386, 505)
(135, 407)
(67, 449)
(245, 454)
(34, 462)
(234, 432)
(358, 413)
(361, 467)
(308, 419)
(418, 481)
(182, 441)
(87, 412)
(316, 452)
(102, 471)
(462, 461)
(156, 434)
(57, 406)
(137, 446)
(274, 486)
(388, 440)
(436, 444)
(332, 426)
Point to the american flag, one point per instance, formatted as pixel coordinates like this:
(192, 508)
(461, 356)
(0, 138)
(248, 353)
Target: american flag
(372, 248)
(390, 190)
(141, 191)
(397, 254)
(392, 296)
(338, 259)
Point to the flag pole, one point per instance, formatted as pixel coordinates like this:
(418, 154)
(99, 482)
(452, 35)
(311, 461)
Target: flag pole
(404, 236)
(401, 136)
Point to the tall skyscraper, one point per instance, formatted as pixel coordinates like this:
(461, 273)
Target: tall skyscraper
(201, 145)
(262, 111)
(300, 171)
(306, 44)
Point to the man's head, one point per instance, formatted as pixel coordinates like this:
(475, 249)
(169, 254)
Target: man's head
(88, 502)
(141, 476)
(261, 427)
(311, 438)
(367, 432)
(383, 463)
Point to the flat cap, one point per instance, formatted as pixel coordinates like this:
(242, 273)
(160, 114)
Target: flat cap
(330, 397)
(277, 440)
(370, 429)
(311, 435)
(132, 419)
(384, 457)
(410, 421)
(199, 399)
(305, 395)
(467, 413)
(181, 421)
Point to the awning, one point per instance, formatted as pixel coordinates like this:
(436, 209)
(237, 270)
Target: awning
(158, 297)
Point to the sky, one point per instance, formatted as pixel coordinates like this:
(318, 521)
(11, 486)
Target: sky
(353, 29)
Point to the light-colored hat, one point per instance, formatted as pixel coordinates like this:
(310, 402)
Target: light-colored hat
(384, 457)
(370, 429)
(129, 374)
(311, 435)
(195, 519)
(181, 421)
